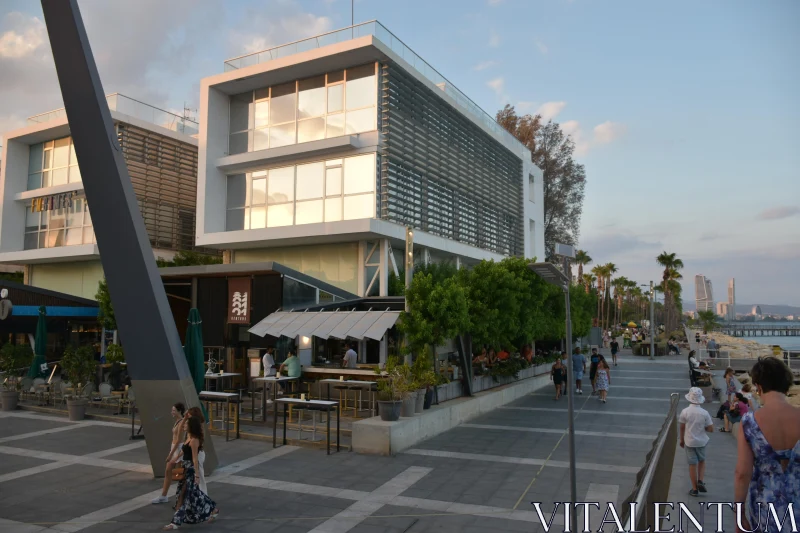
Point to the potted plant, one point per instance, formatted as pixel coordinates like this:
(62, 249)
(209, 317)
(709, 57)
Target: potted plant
(422, 372)
(80, 366)
(12, 359)
(115, 355)
(390, 397)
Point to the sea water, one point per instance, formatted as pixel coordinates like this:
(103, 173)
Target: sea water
(787, 343)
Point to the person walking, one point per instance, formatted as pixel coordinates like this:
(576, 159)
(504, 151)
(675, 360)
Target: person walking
(350, 357)
(768, 464)
(695, 422)
(593, 359)
(178, 412)
(614, 350)
(603, 379)
(558, 374)
(195, 505)
(730, 382)
(197, 413)
(578, 368)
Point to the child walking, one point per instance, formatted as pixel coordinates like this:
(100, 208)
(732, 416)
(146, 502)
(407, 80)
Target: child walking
(603, 379)
(695, 423)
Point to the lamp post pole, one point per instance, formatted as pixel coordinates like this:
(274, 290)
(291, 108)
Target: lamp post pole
(573, 482)
(652, 322)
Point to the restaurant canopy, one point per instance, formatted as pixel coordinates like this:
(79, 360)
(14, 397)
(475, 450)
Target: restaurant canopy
(325, 324)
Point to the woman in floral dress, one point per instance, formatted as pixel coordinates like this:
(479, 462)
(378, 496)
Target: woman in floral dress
(194, 506)
(768, 465)
(603, 379)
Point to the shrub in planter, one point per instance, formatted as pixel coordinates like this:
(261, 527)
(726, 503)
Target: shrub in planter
(391, 390)
(80, 366)
(13, 360)
(115, 354)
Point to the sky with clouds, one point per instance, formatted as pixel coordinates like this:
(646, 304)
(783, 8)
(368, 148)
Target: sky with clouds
(684, 113)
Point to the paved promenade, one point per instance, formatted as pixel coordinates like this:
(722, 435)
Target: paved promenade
(61, 476)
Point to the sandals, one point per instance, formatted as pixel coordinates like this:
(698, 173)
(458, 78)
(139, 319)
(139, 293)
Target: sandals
(723, 430)
(214, 516)
(170, 527)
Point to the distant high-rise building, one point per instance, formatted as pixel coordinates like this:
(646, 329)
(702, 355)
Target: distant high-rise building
(731, 299)
(703, 293)
(723, 309)
(756, 310)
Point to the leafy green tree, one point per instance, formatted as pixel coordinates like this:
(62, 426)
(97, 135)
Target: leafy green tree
(105, 314)
(709, 320)
(189, 258)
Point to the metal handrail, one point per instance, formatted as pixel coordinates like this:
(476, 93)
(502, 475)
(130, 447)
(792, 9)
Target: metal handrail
(642, 491)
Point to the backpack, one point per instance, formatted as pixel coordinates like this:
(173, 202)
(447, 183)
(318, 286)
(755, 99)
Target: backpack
(722, 409)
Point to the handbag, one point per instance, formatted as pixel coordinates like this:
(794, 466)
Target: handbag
(178, 473)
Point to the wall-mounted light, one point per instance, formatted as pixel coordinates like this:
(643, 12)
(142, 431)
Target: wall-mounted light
(305, 342)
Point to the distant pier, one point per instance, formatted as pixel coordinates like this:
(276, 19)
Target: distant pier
(760, 330)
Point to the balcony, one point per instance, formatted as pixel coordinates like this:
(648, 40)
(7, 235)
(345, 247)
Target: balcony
(379, 31)
(134, 108)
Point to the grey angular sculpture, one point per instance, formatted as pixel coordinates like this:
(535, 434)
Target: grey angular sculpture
(156, 363)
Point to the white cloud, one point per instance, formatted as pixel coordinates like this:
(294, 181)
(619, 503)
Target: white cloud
(494, 3)
(497, 85)
(26, 37)
(261, 32)
(542, 47)
(550, 110)
(494, 39)
(573, 129)
(523, 106)
(608, 131)
(483, 65)
(779, 212)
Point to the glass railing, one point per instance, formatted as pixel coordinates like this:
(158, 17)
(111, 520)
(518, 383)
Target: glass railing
(376, 29)
(129, 106)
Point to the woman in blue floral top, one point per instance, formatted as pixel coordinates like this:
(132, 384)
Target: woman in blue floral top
(768, 466)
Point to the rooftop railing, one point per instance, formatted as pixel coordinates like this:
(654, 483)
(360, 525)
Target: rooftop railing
(376, 29)
(135, 108)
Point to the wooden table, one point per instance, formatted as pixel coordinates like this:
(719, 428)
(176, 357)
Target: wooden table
(227, 397)
(354, 383)
(222, 377)
(268, 379)
(316, 405)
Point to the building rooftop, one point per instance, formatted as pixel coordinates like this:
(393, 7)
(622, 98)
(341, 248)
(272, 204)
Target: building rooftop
(379, 31)
(135, 108)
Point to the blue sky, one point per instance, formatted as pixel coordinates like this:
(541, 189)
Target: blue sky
(684, 113)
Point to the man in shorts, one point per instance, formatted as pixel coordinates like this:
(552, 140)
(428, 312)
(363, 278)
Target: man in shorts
(614, 350)
(594, 360)
(695, 422)
(578, 368)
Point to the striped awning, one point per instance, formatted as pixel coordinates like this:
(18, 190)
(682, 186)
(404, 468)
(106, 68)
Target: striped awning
(326, 324)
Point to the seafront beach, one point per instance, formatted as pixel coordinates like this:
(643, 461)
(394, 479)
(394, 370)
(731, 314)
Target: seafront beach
(740, 348)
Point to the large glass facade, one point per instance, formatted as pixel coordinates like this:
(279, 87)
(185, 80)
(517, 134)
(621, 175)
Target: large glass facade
(53, 163)
(66, 226)
(329, 105)
(322, 191)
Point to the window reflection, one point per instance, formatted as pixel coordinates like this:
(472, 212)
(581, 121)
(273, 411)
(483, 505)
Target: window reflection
(309, 180)
(361, 91)
(308, 212)
(360, 206)
(280, 215)
(67, 226)
(52, 163)
(311, 129)
(311, 100)
(282, 103)
(359, 174)
(281, 185)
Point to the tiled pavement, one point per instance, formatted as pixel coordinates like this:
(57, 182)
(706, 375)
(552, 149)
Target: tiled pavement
(481, 476)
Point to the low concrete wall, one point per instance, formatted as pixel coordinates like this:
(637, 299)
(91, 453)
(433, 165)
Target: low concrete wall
(374, 436)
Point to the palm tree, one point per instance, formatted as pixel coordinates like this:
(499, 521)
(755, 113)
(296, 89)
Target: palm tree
(588, 282)
(671, 265)
(708, 320)
(610, 270)
(600, 272)
(581, 258)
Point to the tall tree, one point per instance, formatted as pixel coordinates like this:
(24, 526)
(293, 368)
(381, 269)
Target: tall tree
(610, 270)
(672, 264)
(581, 258)
(564, 179)
(600, 272)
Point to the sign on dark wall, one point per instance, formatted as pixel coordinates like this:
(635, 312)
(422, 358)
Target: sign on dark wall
(238, 300)
(56, 201)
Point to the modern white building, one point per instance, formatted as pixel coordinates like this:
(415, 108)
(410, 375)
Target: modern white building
(731, 299)
(703, 293)
(45, 223)
(320, 153)
(722, 310)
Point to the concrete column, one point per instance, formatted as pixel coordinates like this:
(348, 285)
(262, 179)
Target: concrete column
(383, 289)
(227, 257)
(27, 274)
(194, 292)
(384, 349)
(362, 268)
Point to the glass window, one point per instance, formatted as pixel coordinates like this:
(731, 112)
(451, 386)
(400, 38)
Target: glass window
(359, 174)
(333, 77)
(46, 178)
(309, 180)
(240, 111)
(259, 191)
(61, 153)
(35, 158)
(333, 209)
(258, 217)
(55, 238)
(45, 219)
(335, 125)
(333, 181)
(87, 216)
(73, 159)
(74, 174)
(361, 206)
(312, 129)
(361, 90)
(74, 215)
(59, 176)
(32, 220)
(88, 235)
(261, 139)
(31, 241)
(234, 220)
(237, 191)
(280, 215)
(48, 158)
(282, 135)
(308, 212)
(361, 120)
(261, 109)
(311, 97)
(335, 97)
(74, 236)
(239, 143)
(34, 181)
(283, 103)
(281, 186)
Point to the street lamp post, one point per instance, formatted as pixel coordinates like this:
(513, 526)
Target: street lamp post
(652, 321)
(551, 274)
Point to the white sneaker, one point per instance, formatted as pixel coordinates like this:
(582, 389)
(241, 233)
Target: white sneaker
(160, 499)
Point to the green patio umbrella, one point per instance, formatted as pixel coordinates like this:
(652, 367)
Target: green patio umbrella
(193, 349)
(40, 349)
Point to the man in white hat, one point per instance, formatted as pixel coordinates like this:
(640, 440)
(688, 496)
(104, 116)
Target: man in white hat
(695, 423)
